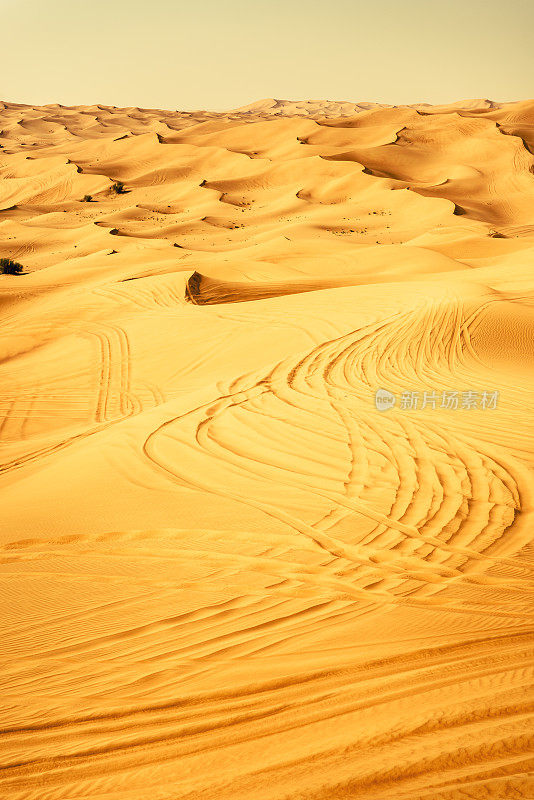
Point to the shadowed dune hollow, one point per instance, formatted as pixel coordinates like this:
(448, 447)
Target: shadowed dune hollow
(225, 574)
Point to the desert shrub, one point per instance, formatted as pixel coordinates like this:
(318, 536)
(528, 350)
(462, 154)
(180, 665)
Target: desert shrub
(118, 187)
(87, 198)
(10, 267)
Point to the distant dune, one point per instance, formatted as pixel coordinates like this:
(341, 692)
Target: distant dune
(226, 573)
(340, 108)
(307, 108)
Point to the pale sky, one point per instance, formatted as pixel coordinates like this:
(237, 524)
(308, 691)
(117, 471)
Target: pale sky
(220, 54)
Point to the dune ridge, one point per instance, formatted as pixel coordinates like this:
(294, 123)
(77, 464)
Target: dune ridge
(224, 572)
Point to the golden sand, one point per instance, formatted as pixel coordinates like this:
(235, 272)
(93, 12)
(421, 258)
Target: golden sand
(225, 574)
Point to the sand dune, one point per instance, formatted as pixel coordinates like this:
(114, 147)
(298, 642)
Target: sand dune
(224, 572)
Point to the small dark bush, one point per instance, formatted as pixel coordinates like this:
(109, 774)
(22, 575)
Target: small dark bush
(87, 198)
(118, 187)
(10, 267)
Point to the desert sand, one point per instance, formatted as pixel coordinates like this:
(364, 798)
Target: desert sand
(225, 575)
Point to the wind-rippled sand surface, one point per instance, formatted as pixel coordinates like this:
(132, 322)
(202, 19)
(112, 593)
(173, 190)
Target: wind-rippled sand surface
(224, 574)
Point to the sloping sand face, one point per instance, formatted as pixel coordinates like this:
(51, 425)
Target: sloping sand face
(228, 571)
